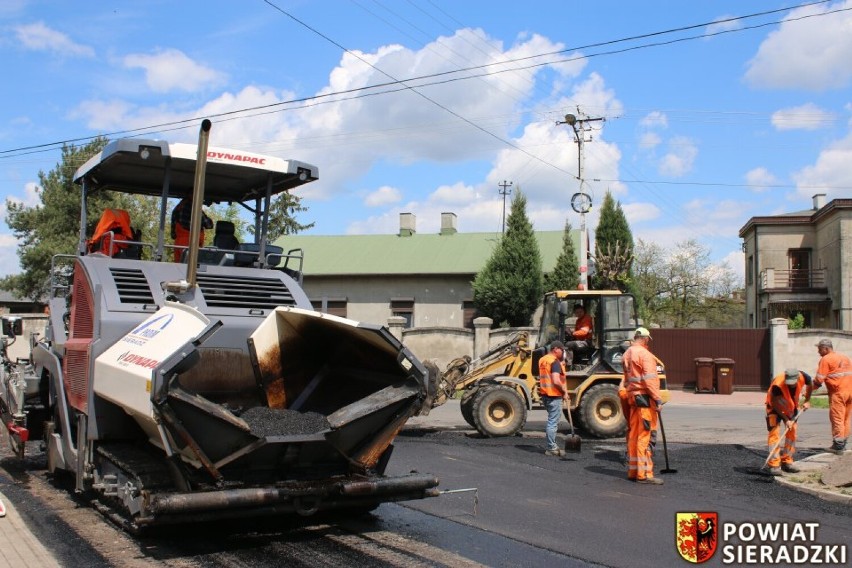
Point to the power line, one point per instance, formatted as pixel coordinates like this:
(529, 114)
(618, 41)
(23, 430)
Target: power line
(190, 121)
(415, 91)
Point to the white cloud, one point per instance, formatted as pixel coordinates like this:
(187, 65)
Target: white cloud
(810, 54)
(171, 70)
(655, 119)
(31, 198)
(830, 174)
(458, 193)
(759, 179)
(680, 158)
(649, 140)
(736, 262)
(31, 195)
(719, 26)
(404, 128)
(104, 115)
(8, 255)
(385, 195)
(639, 212)
(804, 117)
(39, 37)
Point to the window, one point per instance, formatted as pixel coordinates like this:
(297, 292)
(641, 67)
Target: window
(332, 306)
(403, 307)
(750, 271)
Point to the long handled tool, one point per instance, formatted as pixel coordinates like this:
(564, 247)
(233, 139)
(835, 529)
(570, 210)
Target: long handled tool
(780, 441)
(572, 442)
(665, 445)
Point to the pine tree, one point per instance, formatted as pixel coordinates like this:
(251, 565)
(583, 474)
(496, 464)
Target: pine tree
(613, 248)
(508, 289)
(566, 273)
(53, 226)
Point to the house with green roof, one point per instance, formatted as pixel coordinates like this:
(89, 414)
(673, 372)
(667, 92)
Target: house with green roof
(424, 278)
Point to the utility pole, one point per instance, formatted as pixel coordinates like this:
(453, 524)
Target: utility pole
(581, 201)
(505, 189)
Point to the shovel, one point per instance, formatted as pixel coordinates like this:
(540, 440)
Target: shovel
(781, 437)
(572, 442)
(665, 445)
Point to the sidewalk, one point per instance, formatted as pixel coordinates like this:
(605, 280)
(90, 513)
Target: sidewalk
(18, 546)
(737, 398)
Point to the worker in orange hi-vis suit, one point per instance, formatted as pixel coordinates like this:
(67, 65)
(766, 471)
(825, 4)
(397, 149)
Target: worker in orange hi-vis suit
(835, 370)
(581, 337)
(625, 410)
(782, 407)
(553, 391)
(181, 216)
(643, 396)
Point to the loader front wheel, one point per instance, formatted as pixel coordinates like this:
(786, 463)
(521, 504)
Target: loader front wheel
(499, 411)
(466, 406)
(600, 412)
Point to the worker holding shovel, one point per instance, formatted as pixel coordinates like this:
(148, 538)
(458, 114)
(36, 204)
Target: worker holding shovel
(643, 396)
(782, 407)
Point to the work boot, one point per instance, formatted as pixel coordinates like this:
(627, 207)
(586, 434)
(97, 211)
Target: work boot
(838, 447)
(650, 481)
(556, 452)
(790, 468)
(771, 471)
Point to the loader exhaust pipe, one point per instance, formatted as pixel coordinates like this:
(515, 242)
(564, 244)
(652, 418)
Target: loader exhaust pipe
(197, 202)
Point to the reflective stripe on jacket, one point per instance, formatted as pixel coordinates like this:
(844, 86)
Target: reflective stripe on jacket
(640, 372)
(835, 370)
(792, 401)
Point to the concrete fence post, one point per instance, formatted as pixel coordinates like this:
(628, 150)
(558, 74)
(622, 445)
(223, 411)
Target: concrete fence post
(778, 345)
(396, 324)
(481, 335)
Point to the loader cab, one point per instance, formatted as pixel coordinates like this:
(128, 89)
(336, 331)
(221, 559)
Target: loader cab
(613, 317)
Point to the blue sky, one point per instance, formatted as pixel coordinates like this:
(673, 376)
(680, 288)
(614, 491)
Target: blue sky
(705, 127)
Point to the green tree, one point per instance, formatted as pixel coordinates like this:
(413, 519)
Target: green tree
(508, 289)
(649, 284)
(282, 216)
(52, 226)
(566, 273)
(682, 287)
(613, 248)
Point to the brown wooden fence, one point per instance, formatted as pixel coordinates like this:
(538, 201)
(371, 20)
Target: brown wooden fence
(749, 348)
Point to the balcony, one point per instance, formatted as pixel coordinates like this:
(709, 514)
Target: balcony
(793, 280)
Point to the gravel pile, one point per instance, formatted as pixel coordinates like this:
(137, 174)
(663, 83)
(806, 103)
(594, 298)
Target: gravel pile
(265, 421)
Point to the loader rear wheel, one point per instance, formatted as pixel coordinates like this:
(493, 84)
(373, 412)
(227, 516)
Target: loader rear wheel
(499, 411)
(600, 412)
(466, 406)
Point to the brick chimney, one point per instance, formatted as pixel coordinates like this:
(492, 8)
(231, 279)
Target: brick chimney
(448, 224)
(819, 201)
(407, 224)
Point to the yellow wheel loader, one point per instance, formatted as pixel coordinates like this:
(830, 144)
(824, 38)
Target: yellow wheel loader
(498, 388)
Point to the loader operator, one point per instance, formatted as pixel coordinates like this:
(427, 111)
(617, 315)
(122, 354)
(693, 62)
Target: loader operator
(835, 370)
(643, 396)
(553, 390)
(181, 216)
(782, 407)
(581, 337)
